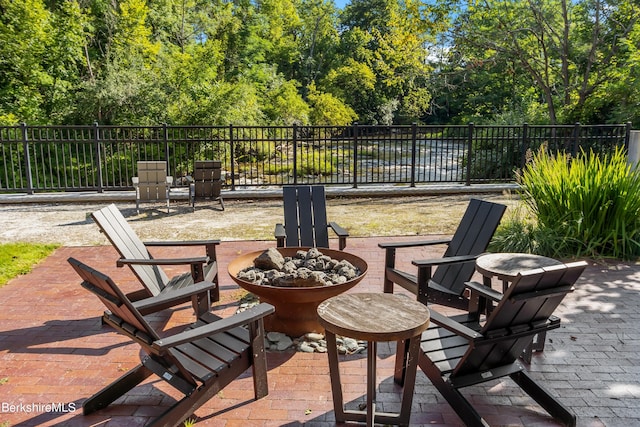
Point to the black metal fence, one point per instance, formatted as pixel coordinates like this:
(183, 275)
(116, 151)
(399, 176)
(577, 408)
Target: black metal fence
(99, 158)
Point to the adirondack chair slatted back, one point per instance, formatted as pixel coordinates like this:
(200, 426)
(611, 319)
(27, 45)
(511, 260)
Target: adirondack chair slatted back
(524, 310)
(472, 237)
(129, 246)
(207, 182)
(152, 180)
(207, 176)
(114, 300)
(305, 216)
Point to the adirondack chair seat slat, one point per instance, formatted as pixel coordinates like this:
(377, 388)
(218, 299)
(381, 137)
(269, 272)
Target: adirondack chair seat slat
(199, 361)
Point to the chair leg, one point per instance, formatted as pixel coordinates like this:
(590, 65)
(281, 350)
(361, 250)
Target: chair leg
(259, 366)
(113, 391)
(185, 407)
(456, 400)
(544, 398)
(389, 262)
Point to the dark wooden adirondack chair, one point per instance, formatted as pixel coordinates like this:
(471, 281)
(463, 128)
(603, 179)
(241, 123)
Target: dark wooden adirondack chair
(305, 219)
(461, 351)
(199, 361)
(207, 182)
(135, 254)
(446, 286)
(152, 183)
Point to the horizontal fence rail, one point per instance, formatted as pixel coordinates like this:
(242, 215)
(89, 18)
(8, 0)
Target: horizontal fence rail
(99, 158)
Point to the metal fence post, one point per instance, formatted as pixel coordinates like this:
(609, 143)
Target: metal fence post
(98, 148)
(576, 137)
(471, 130)
(355, 155)
(414, 132)
(165, 137)
(27, 157)
(232, 158)
(627, 135)
(525, 144)
(295, 154)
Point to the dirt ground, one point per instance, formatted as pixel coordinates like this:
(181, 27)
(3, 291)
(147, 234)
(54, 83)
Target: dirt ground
(71, 224)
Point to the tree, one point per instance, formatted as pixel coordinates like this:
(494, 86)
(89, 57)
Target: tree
(125, 87)
(41, 59)
(568, 50)
(389, 38)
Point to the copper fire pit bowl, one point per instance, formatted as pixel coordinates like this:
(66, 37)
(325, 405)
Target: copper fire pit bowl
(296, 307)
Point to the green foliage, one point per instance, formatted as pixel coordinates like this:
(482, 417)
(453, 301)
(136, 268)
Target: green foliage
(316, 162)
(519, 232)
(328, 110)
(580, 57)
(19, 258)
(279, 62)
(591, 203)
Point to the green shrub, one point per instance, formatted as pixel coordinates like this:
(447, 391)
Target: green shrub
(521, 233)
(590, 203)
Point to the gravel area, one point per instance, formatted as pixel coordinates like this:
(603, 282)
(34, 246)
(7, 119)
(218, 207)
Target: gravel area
(71, 224)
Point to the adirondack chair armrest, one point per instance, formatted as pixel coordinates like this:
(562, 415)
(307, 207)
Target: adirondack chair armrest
(210, 245)
(173, 295)
(453, 326)
(443, 261)
(184, 243)
(338, 230)
(341, 233)
(397, 245)
(280, 235)
(484, 291)
(160, 261)
(246, 317)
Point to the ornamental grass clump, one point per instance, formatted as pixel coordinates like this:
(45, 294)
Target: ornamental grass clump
(590, 203)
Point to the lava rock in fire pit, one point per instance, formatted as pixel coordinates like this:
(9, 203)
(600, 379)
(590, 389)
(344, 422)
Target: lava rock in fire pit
(306, 269)
(270, 259)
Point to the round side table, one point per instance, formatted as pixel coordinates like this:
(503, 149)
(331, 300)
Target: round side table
(506, 266)
(374, 317)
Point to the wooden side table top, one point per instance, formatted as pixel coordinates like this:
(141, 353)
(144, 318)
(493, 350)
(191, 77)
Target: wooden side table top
(506, 266)
(374, 316)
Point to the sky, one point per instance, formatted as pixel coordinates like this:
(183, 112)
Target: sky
(341, 3)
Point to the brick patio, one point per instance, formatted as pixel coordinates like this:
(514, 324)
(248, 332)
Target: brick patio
(53, 350)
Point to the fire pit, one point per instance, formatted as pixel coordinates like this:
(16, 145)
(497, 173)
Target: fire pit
(296, 306)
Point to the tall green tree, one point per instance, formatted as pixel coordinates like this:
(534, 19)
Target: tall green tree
(41, 59)
(389, 39)
(568, 50)
(124, 89)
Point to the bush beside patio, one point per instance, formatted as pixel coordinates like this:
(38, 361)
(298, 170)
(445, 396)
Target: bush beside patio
(587, 206)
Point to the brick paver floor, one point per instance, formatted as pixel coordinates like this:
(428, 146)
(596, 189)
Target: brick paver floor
(54, 351)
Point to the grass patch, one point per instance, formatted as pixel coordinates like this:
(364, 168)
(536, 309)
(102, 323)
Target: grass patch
(19, 258)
